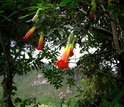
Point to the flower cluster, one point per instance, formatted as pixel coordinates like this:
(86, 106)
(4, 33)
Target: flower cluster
(68, 51)
(30, 32)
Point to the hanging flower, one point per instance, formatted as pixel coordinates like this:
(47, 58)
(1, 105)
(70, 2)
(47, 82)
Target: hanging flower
(62, 63)
(40, 43)
(29, 33)
(68, 52)
(93, 10)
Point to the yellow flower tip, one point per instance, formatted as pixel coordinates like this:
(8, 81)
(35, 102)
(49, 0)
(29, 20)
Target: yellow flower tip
(34, 18)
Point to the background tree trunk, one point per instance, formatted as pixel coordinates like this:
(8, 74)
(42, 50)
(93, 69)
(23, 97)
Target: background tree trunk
(7, 91)
(8, 73)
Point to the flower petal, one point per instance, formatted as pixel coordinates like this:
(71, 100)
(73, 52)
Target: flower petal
(62, 64)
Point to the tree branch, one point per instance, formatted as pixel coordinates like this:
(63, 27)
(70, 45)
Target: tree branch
(93, 55)
(109, 76)
(101, 30)
(5, 52)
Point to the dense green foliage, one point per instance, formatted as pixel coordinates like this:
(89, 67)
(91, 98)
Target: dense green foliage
(98, 76)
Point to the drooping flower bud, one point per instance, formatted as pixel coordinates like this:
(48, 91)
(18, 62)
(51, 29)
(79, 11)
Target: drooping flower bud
(93, 10)
(35, 16)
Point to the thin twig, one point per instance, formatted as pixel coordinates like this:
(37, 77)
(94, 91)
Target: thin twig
(92, 55)
(101, 30)
(109, 76)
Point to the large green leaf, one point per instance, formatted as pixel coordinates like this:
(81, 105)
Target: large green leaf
(7, 18)
(116, 99)
(105, 103)
(73, 4)
(64, 2)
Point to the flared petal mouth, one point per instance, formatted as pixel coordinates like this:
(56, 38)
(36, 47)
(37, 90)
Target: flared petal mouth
(62, 64)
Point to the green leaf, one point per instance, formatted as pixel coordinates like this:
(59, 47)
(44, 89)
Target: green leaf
(73, 4)
(18, 100)
(64, 2)
(1, 11)
(69, 101)
(116, 99)
(7, 18)
(29, 54)
(105, 103)
(27, 15)
(117, 105)
(14, 88)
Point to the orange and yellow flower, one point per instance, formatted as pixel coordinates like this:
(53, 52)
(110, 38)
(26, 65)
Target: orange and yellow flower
(62, 63)
(40, 43)
(68, 52)
(29, 33)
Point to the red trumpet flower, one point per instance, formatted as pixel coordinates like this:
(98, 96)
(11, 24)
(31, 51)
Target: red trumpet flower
(62, 63)
(29, 33)
(40, 43)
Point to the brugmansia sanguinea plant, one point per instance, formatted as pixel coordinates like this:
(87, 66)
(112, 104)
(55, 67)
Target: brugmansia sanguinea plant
(68, 51)
(62, 63)
(93, 10)
(40, 43)
(30, 32)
